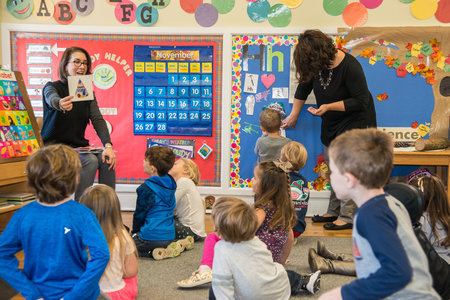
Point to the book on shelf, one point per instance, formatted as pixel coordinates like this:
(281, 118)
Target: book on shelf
(3, 207)
(17, 196)
(15, 202)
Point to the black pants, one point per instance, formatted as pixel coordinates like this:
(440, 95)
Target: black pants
(296, 281)
(145, 247)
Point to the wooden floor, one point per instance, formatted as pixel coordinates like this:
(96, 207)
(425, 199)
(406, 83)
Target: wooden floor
(312, 229)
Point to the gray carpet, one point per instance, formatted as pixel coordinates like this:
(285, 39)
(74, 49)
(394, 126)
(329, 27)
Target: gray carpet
(157, 279)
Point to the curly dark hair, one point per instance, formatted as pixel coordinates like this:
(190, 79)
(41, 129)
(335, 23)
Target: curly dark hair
(314, 52)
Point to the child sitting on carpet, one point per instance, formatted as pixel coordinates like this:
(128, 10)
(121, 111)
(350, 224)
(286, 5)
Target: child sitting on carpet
(54, 232)
(153, 220)
(119, 281)
(243, 267)
(435, 220)
(190, 210)
(296, 154)
(276, 217)
(389, 260)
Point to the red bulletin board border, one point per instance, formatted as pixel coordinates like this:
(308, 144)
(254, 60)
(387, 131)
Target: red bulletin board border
(208, 168)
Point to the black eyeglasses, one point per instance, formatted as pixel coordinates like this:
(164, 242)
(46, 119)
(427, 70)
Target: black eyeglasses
(78, 63)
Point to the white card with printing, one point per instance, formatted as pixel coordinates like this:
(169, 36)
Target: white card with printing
(80, 87)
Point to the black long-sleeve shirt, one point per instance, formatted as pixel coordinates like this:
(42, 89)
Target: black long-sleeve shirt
(69, 127)
(347, 84)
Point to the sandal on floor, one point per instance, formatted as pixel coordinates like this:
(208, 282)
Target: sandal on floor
(186, 243)
(173, 250)
(196, 279)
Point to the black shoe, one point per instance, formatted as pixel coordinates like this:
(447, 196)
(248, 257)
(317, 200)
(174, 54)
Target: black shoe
(320, 219)
(313, 282)
(332, 226)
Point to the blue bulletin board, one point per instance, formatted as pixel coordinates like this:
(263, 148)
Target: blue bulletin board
(173, 90)
(262, 74)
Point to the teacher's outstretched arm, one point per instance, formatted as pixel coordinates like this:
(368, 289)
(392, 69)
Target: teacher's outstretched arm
(291, 120)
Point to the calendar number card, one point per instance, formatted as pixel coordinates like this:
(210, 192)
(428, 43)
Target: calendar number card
(173, 90)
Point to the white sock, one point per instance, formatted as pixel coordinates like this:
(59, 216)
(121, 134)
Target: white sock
(203, 269)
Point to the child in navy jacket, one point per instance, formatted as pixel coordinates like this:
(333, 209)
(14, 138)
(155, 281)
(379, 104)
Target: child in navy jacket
(153, 222)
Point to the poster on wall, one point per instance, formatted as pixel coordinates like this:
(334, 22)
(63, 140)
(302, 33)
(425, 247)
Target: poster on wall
(173, 90)
(113, 72)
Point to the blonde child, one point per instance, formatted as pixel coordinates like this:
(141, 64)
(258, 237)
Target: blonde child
(236, 222)
(190, 211)
(295, 153)
(276, 217)
(119, 281)
(54, 232)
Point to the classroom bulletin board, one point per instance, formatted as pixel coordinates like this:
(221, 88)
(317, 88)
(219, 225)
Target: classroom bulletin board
(407, 71)
(113, 56)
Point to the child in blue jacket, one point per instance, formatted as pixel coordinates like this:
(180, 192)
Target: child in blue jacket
(153, 222)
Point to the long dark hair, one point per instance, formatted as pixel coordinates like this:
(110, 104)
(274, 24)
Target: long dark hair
(275, 190)
(436, 206)
(314, 52)
(66, 58)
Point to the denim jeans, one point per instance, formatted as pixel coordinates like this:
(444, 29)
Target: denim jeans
(90, 163)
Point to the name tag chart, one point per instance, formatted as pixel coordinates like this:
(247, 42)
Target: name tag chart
(173, 90)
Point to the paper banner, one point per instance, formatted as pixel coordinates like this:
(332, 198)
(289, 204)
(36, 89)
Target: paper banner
(355, 14)
(20, 9)
(159, 3)
(443, 11)
(292, 3)
(279, 15)
(113, 2)
(423, 9)
(206, 15)
(82, 8)
(44, 9)
(334, 7)
(64, 13)
(125, 12)
(190, 6)
(146, 14)
(223, 6)
(371, 4)
(257, 11)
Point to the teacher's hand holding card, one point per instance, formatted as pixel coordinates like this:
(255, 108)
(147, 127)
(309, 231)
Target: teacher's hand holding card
(80, 87)
(65, 104)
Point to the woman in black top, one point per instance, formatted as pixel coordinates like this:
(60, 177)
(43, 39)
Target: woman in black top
(65, 121)
(343, 102)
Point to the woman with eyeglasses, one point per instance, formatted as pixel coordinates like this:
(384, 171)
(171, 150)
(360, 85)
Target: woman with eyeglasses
(65, 121)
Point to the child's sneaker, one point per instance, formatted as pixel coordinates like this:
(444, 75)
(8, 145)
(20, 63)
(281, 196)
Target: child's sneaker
(196, 279)
(312, 282)
(173, 250)
(186, 243)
